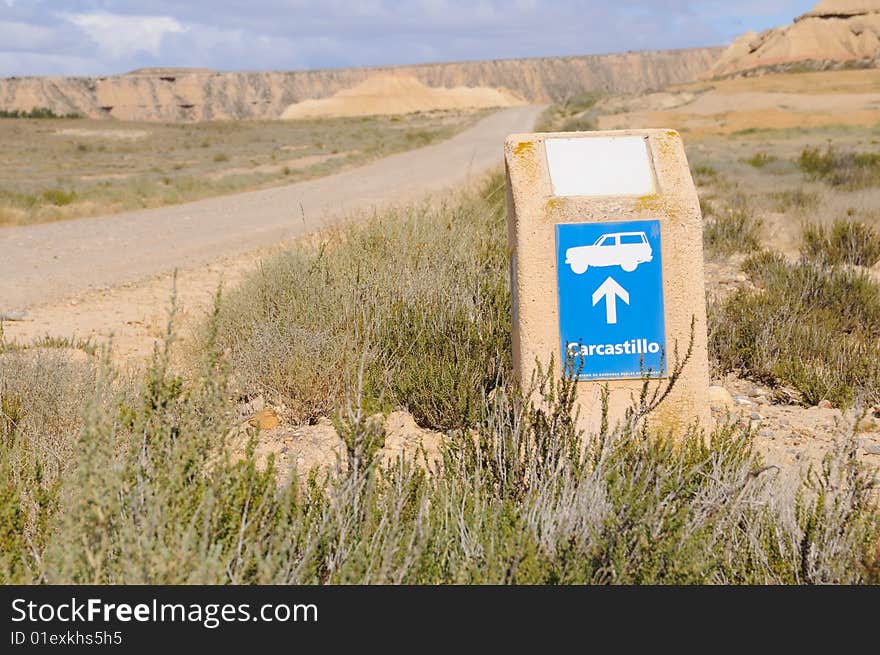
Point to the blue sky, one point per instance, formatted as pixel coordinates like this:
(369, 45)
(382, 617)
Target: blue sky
(95, 37)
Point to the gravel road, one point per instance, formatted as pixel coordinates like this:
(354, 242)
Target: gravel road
(42, 264)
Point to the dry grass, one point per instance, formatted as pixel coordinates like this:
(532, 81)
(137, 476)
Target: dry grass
(843, 242)
(413, 309)
(574, 114)
(43, 393)
(834, 82)
(812, 322)
(151, 494)
(419, 298)
(732, 227)
(58, 169)
(807, 326)
(778, 192)
(851, 170)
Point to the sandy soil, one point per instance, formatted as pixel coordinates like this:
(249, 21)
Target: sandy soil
(96, 277)
(122, 135)
(770, 102)
(852, 81)
(399, 94)
(788, 435)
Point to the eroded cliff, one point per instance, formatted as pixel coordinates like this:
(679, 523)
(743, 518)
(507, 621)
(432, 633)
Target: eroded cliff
(182, 94)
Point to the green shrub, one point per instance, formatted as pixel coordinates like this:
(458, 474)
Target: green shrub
(570, 115)
(794, 199)
(816, 164)
(144, 484)
(419, 299)
(59, 197)
(759, 159)
(808, 327)
(848, 170)
(844, 242)
(582, 101)
(733, 228)
(420, 137)
(704, 173)
(578, 124)
(36, 112)
(154, 496)
(42, 394)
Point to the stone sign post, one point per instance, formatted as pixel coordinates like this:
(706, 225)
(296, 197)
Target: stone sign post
(607, 268)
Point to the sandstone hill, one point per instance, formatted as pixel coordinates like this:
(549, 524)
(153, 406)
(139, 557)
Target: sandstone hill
(181, 94)
(399, 94)
(833, 32)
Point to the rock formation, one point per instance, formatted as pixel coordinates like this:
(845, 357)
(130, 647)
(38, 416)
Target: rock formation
(832, 32)
(399, 94)
(181, 94)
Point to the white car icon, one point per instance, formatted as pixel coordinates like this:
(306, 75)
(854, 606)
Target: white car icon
(624, 249)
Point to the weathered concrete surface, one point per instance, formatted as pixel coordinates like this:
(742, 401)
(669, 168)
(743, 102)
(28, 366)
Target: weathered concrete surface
(43, 263)
(533, 213)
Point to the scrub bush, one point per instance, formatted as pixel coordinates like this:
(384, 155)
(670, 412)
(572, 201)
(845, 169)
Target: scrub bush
(144, 486)
(807, 326)
(849, 170)
(844, 242)
(419, 297)
(732, 228)
(571, 115)
(760, 159)
(153, 495)
(42, 396)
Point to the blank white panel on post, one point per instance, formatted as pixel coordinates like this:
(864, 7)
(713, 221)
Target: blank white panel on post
(600, 166)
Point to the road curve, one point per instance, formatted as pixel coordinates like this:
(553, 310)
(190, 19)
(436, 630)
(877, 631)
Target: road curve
(43, 263)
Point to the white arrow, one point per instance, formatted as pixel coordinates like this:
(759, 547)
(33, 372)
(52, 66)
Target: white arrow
(611, 291)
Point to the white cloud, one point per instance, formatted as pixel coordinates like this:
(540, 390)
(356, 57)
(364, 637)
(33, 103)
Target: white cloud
(117, 35)
(121, 36)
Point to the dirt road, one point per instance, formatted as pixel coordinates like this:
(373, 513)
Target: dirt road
(41, 264)
(109, 277)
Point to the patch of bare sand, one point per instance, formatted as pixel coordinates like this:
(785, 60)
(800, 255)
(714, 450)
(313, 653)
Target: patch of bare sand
(134, 317)
(793, 437)
(119, 135)
(851, 81)
(97, 177)
(302, 449)
(735, 105)
(788, 435)
(399, 94)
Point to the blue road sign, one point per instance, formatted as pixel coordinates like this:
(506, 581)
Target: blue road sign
(610, 285)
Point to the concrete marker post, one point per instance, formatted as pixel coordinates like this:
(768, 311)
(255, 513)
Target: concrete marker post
(605, 237)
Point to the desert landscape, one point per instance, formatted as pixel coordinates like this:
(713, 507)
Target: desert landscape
(184, 94)
(256, 327)
(87, 167)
